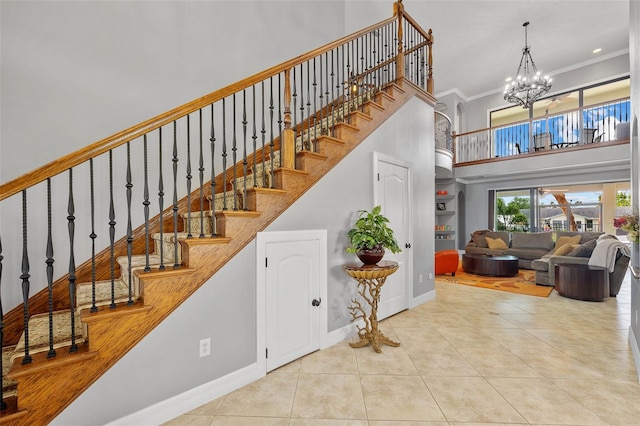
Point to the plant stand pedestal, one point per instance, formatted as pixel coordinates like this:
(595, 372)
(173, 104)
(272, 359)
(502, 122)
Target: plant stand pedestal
(370, 280)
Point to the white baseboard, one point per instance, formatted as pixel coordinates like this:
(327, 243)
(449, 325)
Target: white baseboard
(423, 298)
(175, 406)
(340, 335)
(635, 350)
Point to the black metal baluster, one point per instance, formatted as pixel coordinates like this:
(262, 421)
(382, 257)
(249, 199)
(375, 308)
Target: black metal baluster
(213, 172)
(322, 99)
(234, 157)
(25, 280)
(244, 148)
(280, 113)
(224, 154)
(201, 175)
(189, 177)
(129, 185)
(315, 108)
(254, 137)
(294, 96)
(263, 133)
(112, 233)
(72, 263)
(161, 200)
(272, 143)
(174, 160)
(308, 118)
(3, 404)
(93, 236)
(145, 202)
(49, 262)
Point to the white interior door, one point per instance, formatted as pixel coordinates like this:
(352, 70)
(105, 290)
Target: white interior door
(292, 270)
(392, 192)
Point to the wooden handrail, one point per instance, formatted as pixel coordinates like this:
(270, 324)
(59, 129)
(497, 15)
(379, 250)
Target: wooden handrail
(100, 147)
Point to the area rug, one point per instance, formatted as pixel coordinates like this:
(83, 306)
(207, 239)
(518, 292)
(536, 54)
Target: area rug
(523, 283)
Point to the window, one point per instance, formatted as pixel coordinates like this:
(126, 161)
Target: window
(578, 208)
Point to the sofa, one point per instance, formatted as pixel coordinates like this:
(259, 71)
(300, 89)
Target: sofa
(526, 246)
(582, 254)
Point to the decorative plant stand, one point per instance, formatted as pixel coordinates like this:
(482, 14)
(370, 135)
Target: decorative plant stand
(370, 280)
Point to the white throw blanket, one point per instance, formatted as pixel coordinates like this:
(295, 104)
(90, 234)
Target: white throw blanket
(606, 251)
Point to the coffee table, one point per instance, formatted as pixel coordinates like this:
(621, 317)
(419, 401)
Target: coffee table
(494, 266)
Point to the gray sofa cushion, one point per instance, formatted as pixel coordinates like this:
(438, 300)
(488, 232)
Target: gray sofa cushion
(583, 250)
(539, 240)
(541, 264)
(585, 236)
(527, 253)
(480, 237)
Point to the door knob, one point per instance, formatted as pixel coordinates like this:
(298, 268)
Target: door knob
(316, 302)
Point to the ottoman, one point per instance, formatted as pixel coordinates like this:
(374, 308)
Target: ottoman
(447, 262)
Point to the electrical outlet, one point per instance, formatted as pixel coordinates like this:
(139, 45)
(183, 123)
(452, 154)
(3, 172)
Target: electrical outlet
(205, 347)
(430, 275)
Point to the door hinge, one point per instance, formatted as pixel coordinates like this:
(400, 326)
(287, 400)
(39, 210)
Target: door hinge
(378, 177)
(266, 262)
(266, 353)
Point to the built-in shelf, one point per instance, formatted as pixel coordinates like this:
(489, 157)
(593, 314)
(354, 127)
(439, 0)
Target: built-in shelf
(445, 215)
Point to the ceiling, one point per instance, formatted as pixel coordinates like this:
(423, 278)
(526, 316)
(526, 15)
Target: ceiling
(479, 43)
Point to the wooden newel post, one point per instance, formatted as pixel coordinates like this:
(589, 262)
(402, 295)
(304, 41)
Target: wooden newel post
(288, 143)
(430, 64)
(398, 9)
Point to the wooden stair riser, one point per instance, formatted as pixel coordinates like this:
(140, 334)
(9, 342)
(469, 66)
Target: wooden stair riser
(138, 263)
(167, 246)
(257, 197)
(218, 201)
(228, 223)
(194, 226)
(291, 180)
(84, 293)
(307, 159)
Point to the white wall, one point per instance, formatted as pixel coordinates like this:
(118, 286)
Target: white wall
(76, 72)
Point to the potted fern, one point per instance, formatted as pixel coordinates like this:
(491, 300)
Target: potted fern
(370, 236)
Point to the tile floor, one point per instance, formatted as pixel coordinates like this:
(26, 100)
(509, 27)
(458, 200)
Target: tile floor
(472, 356)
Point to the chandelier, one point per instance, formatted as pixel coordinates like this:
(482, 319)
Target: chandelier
(529, 84)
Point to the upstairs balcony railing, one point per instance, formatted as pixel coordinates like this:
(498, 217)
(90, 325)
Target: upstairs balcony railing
(584, 126)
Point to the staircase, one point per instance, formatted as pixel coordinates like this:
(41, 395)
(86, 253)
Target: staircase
(157, 293)
(110, 316)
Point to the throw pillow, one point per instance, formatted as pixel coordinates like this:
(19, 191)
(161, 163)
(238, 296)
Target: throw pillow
(479, 239)
(497, 244)
(583, 250)
(565, 249)
(567, 240)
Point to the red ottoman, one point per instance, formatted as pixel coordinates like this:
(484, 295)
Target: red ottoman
(447, 262)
